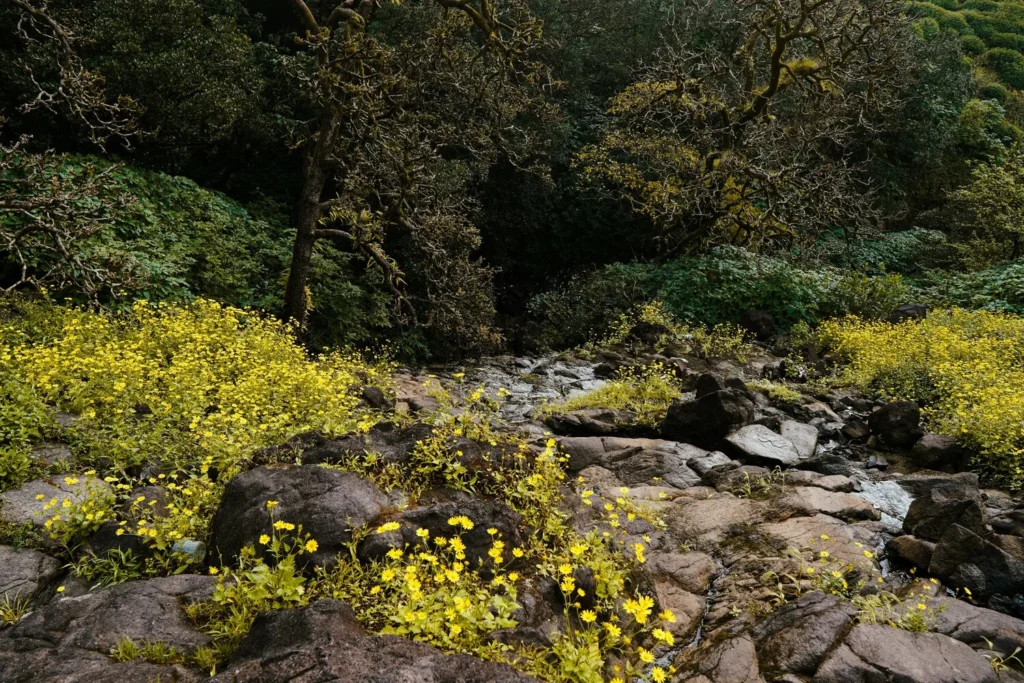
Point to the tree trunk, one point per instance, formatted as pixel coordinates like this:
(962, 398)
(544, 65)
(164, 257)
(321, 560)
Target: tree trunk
(295, 302)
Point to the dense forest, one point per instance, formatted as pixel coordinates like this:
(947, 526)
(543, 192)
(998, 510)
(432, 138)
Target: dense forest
(450, 178)
(505, 341)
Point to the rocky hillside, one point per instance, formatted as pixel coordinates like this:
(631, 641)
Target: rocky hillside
(629, 511)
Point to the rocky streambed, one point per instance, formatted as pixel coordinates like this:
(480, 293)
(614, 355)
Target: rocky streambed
(776, 513)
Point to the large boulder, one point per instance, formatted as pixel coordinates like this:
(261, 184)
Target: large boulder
(70, 639)
(706, 420)
(635, 461)
(905, 312)
(757, 443)
(327, 503)
(964, 559)
(25, 573)
(811, 500)
(914, 551)
(932, 514)
(897, 424)
(761, 324)
(324, 642)
(804, 437)
(591, 422)
(880, 654)
(730, 661)
(798, 636)
(391, 444)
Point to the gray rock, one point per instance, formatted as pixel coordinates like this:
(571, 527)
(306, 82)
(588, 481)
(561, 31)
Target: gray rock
(24, 506)
(327, 503)
(51, 452)
(703, 465)
(730, 661)
(25, 573)
(834, 482)
(591, 422)
(324, 642)
(798, 636)
(804, 437)
(960, 485)
(977, 626)
(879, 654)
(70, 639)
(889, 497)
(760, 444)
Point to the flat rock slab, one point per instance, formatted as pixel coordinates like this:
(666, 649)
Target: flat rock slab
(709, 520)
(882, 654)
(845, 542)
(26, 505)
(730, 661)
(834, 482)
(760, 444)
(798, 636)
(70, 639)
(804, 437)
(846, 506)
(23, 573)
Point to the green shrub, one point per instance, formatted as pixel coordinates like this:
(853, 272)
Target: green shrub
(999, 288)
(972, 45)
(993, 91)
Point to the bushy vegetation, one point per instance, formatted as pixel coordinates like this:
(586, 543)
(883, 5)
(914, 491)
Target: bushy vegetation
(962, 367)
(714, 289)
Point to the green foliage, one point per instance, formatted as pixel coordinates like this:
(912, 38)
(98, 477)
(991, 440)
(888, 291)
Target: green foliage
(999, 288)
(647, 395)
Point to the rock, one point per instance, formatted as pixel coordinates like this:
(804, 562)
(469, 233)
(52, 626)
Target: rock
(375, 398)
(813, 411)
(709, 520)
(392, 445)
(802, 477)
(324, 642)
(23, 506)
(855, 430)
(25, 573)
(327, 503)
(730, 661)
(706, 420)
(906, 312)
(965, 560)
(583, 451)
(760, 444)
(703, 465)
(897, 424)
(876, 462)
(433, 515)
(977, 626)
(635, 461)
(708, 383)
(880, 654)
(889, 497)
(829, 463)
(932, 514)
(833, 482)
(960, 485)
(811, 500)
(688, 608)
(51, 452)
(937, 452)
(912, 550)
(590, 422)
(798, 636)
(805, 532)
(70, 639)
(804, 437)
(761, 324)
(691, 571)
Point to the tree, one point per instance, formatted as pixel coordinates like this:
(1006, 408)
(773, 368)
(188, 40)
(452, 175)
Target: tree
(397, 130)
(989, 212)
(744, 130)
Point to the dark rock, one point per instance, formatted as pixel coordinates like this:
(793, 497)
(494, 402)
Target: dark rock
(880, 654)
(375, 398)
(635, 461)
(324, 642)
(392, 445)
(757, 443)
(51, 452)
(830, 463)
(149, 498)
(730, 661)
(855, 430)
(591, 422)
(105, 540)
(908, 312)
(25, 573)
(960, 485)
(708, 383)
(70, 639)
(964, 559)
(761, 324)
(738, 384)
(327, 503)
(434, 514)
(978, 627)
(798, 636)
(931, 515)
(897, 424)
(913, 551)
(705, 421)
(937, 452)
